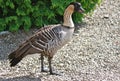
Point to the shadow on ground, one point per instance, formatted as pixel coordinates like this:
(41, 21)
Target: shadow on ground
(10, 41)
(79, 26)
(21, 78)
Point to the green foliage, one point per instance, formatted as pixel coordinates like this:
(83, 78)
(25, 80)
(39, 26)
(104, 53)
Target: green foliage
(16, 14)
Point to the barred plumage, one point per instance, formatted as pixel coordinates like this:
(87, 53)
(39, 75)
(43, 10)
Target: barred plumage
(47, 40)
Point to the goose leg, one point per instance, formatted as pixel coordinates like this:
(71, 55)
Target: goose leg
(50, 67)
(42, 65)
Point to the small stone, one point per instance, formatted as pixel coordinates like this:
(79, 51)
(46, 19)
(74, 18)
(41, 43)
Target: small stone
(61, 64)
(4, 33)
(106, 16)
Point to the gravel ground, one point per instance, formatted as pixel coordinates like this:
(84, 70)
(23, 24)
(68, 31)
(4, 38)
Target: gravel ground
(92, 55)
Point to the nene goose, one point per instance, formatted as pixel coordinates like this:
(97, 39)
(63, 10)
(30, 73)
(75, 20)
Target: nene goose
(48, 40)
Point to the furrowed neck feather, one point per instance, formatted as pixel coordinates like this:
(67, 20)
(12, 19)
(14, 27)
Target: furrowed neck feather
(68, 16)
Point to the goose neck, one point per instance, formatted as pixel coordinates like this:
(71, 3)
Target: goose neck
(68, 16)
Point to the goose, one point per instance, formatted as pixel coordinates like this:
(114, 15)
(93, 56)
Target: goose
(48, 40)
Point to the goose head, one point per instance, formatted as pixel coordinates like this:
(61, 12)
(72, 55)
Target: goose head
(76, 7)
(72, 7)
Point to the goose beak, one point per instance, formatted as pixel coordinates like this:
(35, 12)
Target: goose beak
(81, 10)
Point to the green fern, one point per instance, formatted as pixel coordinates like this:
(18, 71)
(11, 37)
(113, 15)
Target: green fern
(36, 13)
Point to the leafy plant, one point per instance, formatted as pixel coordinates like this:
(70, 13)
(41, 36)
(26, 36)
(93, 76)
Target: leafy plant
(15, 14)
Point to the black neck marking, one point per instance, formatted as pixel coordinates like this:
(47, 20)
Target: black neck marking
(68, 27)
